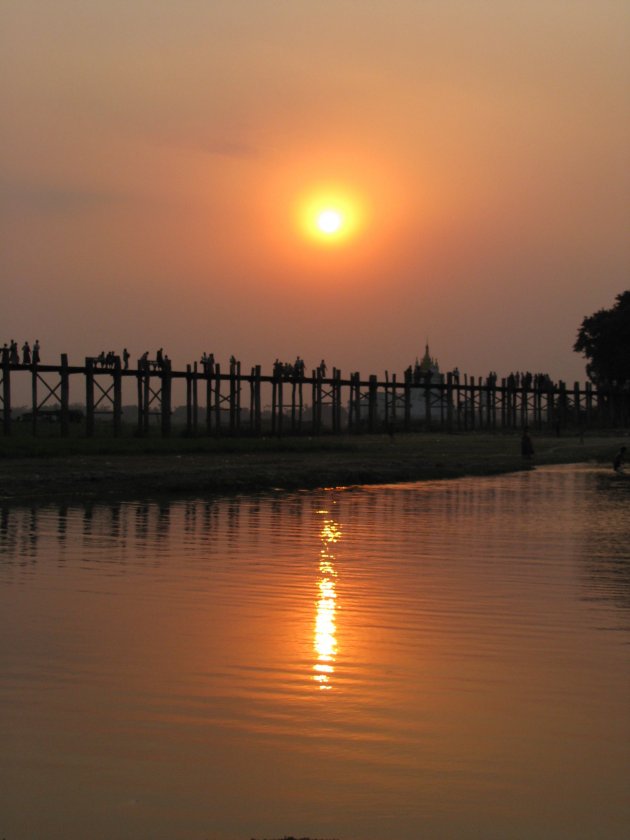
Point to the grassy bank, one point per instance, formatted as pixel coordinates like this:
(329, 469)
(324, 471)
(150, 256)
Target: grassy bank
(79, 468)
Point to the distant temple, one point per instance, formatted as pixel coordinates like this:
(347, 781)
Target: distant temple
(428, 368)
(424, 372)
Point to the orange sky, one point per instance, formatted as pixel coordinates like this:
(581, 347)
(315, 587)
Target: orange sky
(154, 158)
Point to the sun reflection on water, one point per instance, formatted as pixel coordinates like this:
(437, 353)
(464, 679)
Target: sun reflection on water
(325, 642)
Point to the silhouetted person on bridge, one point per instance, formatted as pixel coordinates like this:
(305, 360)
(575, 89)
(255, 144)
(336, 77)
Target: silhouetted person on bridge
(26, 353)
(36, 352)
(125, 358)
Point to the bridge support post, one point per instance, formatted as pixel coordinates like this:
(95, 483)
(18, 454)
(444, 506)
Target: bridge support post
(372, 402)
(6, 393)
(117, 401)
(89, 397)
(166, 399)
(64, 394)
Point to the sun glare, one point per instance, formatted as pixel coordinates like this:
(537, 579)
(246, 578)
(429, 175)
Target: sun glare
(331, 217)
(329, 221)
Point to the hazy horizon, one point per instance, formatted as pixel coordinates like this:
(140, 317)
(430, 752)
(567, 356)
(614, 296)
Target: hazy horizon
(155, 158)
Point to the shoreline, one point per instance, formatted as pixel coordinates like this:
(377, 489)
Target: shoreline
(296, 464)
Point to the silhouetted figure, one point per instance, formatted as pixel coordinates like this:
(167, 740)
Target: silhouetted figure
(26, 353)
(14, 358)
(36, 352)
(619, 459)
(527, 447)
(125, 358)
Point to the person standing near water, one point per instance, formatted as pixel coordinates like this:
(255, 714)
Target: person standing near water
(619, 459)
(527, 447)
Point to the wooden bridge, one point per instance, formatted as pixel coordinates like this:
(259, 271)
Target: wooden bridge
(230, 402)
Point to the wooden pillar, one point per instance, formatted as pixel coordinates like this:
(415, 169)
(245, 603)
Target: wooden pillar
(352, 424)
(338, 391)
(139, 374)
(427, 402)
(189, 401)
(208, 400)
(167, 386)
(235, 396)
(232, 398)
(34, 397)
(336, 401)
(217, 399)
(238, 397)
(252, 399)
(117, 397)
(492, 403)
(257, 400)
(466, 401)
(64, 393)
(89, 397)
(280, 407)
(317, 401)
(195, 400)
(550, 407)
(372, 402)
(562, 406)
(576, 405)
(146, 401)
(449, 402)
(589, 403)
(392, 401)
(300, 403)
(274, 403)
(6, 393)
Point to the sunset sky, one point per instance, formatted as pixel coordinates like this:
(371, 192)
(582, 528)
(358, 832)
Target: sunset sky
(162, 164)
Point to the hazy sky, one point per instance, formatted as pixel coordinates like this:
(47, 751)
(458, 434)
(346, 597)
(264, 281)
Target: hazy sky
(155, 158)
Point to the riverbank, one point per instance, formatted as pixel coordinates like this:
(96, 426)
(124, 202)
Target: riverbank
(80, 469)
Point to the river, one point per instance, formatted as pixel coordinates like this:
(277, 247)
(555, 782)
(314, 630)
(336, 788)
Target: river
(445, 660)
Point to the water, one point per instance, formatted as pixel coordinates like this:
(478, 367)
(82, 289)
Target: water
(437, 660)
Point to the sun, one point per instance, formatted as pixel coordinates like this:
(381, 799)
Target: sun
(330, 221)
(331, 217)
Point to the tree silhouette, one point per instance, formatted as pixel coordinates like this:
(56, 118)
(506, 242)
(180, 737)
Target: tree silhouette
(604, 339)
